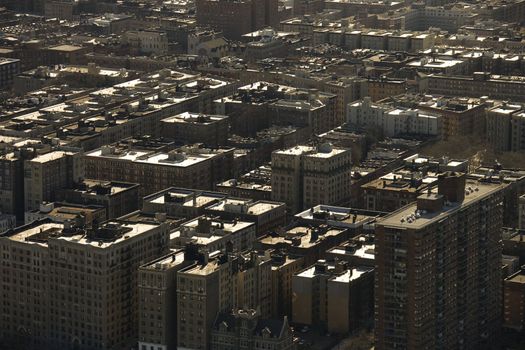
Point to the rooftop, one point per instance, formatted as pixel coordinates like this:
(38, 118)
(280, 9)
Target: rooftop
(411, 218)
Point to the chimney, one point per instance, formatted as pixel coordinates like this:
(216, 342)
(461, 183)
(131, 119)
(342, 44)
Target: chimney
(314, 235)
(451, 185)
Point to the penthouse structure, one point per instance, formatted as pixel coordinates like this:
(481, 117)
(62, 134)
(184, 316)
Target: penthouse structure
(77, 298)
(190, 167)
(304, 176)
(429, 259)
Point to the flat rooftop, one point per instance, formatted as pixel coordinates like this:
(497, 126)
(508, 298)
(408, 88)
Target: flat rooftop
(351, 274)
(194, 118)
(166, 262)
(398, 219)
(40, 234)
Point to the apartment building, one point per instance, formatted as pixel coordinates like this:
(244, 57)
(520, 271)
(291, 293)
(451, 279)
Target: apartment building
(393, 122)
(284, 266)
(337, 297)
(259, 105)
(305, 176)
(215, 234)
(147, 41)
(265, 214)
(309, 242)
(215, 284)
(438, 268)
(45, 174)
(9, 67)
(66, 212)
(12, 182)
(235, 18)
(157, 301)
(514, 300)
(181, 202)
(189, 127)
(499, 126)
(74, 287)
(117, 197)
(189, 167)
(502, 87)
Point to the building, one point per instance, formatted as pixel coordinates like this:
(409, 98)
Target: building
(12, 183)
(157, 303)
(45, 174)
(189, 167)
(181, 202)
(259, 105)
(514, 301)
(305, 176)
(502, 87)
(78, 299)
(59, 9)
(357, 220)
(284, 266)
(216, 284)
(393, 122)
(379, 89)
(438, 268)
(235, 18)
(7, 221)
(337, 297)
(209, 44)
(307, 241)
(244, 328)
(9, 67)
(118, 198)
(66, 212)
(499, 126)
(265, 214)
(393, 191)
(256, 184)
(189, 127)
(357, 251)
(147, 41)
(521, 212)
(215, 234)
(459, 116)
